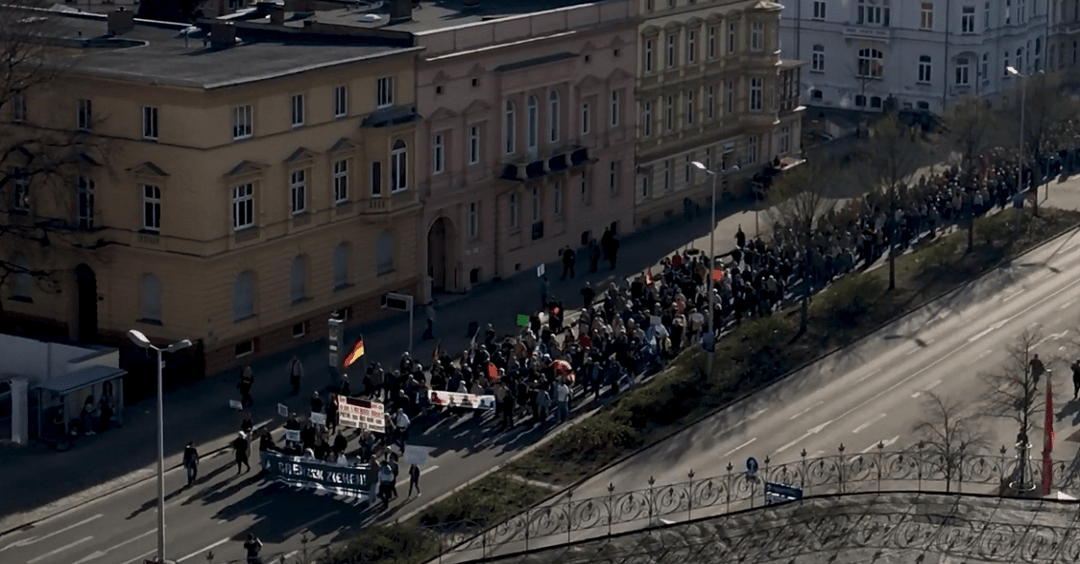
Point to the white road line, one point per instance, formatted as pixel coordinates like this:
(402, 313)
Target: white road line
(138, 558)
(1014, 294)
(405, 482)
(793, 443)
(862, 427)
(32, 540)
(1065, 305)
(310, 524)
(59, 550)
(757, 414)
(204, 550)
(885, 444)
(934, 384)
(101, 553)
(738, 448)
(797, 415)
(867, 375)
(1032, 324)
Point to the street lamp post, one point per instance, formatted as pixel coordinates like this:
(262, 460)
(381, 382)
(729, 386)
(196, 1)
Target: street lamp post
(1020, 157)
(139, 339)
(712, 259)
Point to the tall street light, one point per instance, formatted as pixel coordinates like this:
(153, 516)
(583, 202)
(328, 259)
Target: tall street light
(139, 339)
(712, 257)
(1023, 110)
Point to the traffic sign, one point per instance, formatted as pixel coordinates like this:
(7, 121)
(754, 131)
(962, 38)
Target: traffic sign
(751, 466)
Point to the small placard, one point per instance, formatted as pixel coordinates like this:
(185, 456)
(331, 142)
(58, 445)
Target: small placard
(292, 435)
(417, 455)
(235, 404)
(318, 418)
(540, 270)
(282, 410)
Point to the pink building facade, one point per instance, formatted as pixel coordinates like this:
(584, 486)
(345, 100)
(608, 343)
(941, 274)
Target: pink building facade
(527, 143)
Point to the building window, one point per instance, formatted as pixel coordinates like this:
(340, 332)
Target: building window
(150, 298)
(669, 114)
(553, 115)
(816, 94)
(243, 206)
(556, 199)
(986, 16)
(712, 42)
(967, 19)
(1005, 66)
(819, 10)
(688, 172)
(86, 203)
(149, 123)
(586, 118)
(963, 68)
(985, 65)
(729, 97)
(1008, 12)
(924, 69)
(691, 46)
(341, 101)
(243, 121)
(875, 102)
(376, 179)
(860, 101)
(151, 200)
(86, 115)
(298, 279)
(784, 143)
(21, 188)
(384, 253)
(341, 265)
(586, 194)
(533, 119)
(671, 60)
(438, 155)
(509, 128)
(472, 221)
(667, 175)
(751, 149)
(732, 37)
(926, 16)
(923, 105)
(536, 204)
(645, 185)
(689, 107)
(870, 63)
(341, 181)
(755, 94)
(646, 119)
(244, 295)
(757, 36)
(399, 167)
(474, 144)
(615, 108)
(613, 178)
(873, 12)
(297, 110)
(513, 210)
(18, 106)
(817, 58)
(648, 62)
(384, 92)
(710, 101)
(298, 191)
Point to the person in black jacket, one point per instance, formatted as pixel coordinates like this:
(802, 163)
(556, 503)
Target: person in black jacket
(241, 449)
(191, 462)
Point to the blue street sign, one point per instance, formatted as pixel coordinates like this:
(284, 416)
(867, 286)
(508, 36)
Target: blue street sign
(751, 466)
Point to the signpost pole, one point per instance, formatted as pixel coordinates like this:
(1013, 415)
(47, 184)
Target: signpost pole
(412, 308)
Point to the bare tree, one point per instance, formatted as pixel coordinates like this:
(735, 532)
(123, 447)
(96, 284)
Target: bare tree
(799, 201)
(890, 158)
(948, 435)
(971, 130)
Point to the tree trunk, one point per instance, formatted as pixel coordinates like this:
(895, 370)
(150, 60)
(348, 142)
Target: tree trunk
(971, 231)
(892, 264)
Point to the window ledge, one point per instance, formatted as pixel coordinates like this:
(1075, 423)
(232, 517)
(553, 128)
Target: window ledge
(23, 299)
(243, 319)
(343, 287)
(382, 272)
(144, 321)
(302, 300)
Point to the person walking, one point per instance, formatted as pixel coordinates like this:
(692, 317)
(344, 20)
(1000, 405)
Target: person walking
(191, 462)
(247, 380)
(1037, 368)
(562, 401)
(296, 373)
(401, 428)
(429, 310)
(588, 295)
(414, 479)
(241, 449)
(1076, 378)
(568, 260)
(316, 403)
(252, 546)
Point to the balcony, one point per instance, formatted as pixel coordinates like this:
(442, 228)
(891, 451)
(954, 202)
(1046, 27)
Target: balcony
(387, 205)
(536, 167)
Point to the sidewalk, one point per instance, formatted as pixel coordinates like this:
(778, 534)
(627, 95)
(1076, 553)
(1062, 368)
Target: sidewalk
(39, 482)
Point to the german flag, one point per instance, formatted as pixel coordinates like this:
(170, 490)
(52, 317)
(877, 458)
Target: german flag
(356, 353)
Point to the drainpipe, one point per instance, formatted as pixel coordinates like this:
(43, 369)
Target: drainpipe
(495, 225)
(945, 87)
(798, 30)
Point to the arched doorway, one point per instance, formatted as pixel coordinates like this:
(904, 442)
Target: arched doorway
(437, 263)
(86, 304)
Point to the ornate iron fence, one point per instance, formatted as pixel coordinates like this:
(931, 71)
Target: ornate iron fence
(914, 470)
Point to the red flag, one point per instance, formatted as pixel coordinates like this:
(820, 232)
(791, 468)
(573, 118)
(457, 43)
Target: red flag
(718, 274)
(493, 372)
(1048, 441)
(435, 353)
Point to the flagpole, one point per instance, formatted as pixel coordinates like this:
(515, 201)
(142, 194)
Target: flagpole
(1048, 440)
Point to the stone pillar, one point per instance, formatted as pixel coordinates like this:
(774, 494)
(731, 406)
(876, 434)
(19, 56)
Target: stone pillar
(20, 413)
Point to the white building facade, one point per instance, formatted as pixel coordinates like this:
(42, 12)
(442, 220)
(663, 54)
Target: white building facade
(923, 54)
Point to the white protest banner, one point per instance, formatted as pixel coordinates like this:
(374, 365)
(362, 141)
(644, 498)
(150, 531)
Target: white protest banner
(292, 435)
(282, 410)
(417, 455)
(362, 414)
(318, 418)
(455, 399)
(235, 404)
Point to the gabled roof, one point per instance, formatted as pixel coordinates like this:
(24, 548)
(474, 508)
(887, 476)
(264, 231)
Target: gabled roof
(343, 144)
(147, 168)
(301, 154)
(246, 167)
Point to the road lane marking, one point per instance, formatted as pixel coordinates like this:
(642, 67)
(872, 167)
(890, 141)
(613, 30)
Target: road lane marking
(101, 553)
(311, 523)
(204, 550)
(757, 414)
(1053, 337)
(867, 375)
(885, 444)
(59, 550)
(1014, 294)
(803, 412)
(738, 448)
(1065, 305)
(138, 558)
(422, 472)
(928, 388)
(32, 540)
(793, 443)
(863, 427)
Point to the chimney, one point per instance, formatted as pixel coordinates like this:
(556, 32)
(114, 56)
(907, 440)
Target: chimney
(121, 21)
(277, 15)
(222, 35)
(400, 11)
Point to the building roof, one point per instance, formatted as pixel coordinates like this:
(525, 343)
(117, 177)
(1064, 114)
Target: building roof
(167, 53)
(438, 14)
(81, 378)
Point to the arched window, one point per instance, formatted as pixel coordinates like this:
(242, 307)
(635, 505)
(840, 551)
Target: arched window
(298, 279)
(22, 283)
(553, 115)
(870, 63)
(533, 117)
(150, 298)
(384, 261)
(399, 165)
(511, 118)
(341, 265)
(244, 295)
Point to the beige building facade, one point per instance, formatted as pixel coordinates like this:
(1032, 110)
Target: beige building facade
(529, 124)
(239, 195)
(711, 88)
